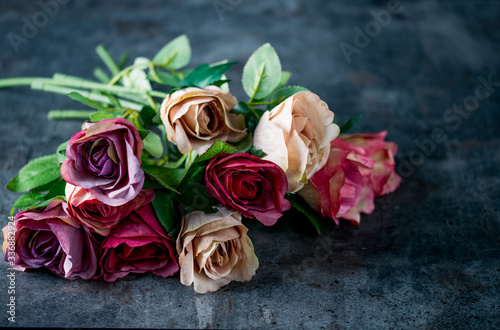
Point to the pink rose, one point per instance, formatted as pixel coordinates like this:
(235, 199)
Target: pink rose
(354, 174)
(105, 158)
(100, 217)
(138, 245)
(252, 186)
(384, 179)
(50, 239)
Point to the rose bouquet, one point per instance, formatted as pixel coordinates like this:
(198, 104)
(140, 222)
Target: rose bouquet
(159, 180)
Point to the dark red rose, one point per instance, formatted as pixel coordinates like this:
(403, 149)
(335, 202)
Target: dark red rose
(138, 245)
(252, 186)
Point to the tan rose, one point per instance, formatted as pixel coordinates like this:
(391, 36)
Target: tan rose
(296, 135)
(195, 118)
(214, 249)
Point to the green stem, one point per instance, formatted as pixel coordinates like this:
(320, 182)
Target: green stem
(69, 114)
(24, 81)
(106, 58)
(124, 72)
(253, 111)
(261, 103)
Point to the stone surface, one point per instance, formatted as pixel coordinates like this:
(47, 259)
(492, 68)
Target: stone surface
(428, 257)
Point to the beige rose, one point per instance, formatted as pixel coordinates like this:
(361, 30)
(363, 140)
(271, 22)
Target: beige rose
(195, 118)
(214, 249)
(296, 136)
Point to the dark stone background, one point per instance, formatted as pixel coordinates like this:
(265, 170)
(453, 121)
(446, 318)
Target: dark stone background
(428, 257)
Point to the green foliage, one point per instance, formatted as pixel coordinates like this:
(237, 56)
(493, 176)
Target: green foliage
(321, 224)
(166, 212)
(153, 144)
(206, 74)
(174, 55)
(347, 125)
(283, 93)
(257, 152)
(36, 173)
(262, 72)
(218, 147)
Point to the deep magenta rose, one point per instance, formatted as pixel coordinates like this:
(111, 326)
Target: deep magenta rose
(138, 245)
(105, 158)
(248, 184)
(50, 239)
(100, 217)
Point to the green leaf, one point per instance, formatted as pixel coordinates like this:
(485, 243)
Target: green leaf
(143, 133)
(164, 78)
(245, 144)
(80, 98)
(283, 93)
(36, 173)
(240, 109)
(147, 115)
(122, 60)
(285, 76)
(321, 225)
(262, 72)
(153, 145)
(61, 152)
(100, 115)
(167, 177)
(112, 99)
(27, 200)
(174, 55)
(257, 152)
(206, 74)
(45, 203)
(58, 188)
(346, 126)
(218, 147)
(164, 207)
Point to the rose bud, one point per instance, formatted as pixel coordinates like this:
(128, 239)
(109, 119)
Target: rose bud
(138, 245)
(384, 179)
(296, 135)
(105, 159)
(50, 239)
(252, 186)
(195, 118)
(100, 217)
(214, 249)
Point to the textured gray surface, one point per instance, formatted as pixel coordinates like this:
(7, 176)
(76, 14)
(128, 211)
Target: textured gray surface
(428, 257)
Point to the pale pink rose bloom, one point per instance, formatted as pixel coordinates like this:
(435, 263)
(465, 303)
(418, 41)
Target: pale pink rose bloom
(196, 118)
(296, 136)
(214, 249)
(354, 174)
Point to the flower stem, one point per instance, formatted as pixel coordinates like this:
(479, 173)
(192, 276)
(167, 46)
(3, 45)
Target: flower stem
(69, 114)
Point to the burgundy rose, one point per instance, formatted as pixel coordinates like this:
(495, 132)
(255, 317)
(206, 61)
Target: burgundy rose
(50, 239)
(106, 159)
(252, 186)
(138, 245)
(100, 217)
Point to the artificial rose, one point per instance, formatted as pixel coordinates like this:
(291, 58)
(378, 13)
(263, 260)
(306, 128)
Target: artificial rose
(214, 249)
(354, 174)
(252, 186)
(195, 118)
(100, 217)
(50, 239)
(138, 245)
(384, 179)
(296, 135)
(105, 159)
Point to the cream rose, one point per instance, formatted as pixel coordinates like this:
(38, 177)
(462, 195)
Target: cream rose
(296, 136)
(214, 249)
(195, 118)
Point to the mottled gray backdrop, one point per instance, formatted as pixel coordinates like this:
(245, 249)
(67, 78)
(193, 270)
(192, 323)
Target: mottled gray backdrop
(428, 257)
